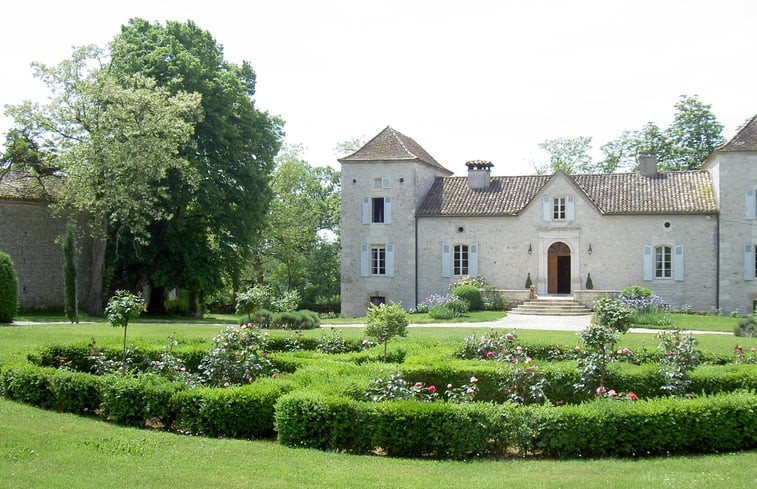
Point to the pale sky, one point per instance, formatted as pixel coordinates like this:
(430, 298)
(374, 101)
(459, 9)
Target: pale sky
(473, 79)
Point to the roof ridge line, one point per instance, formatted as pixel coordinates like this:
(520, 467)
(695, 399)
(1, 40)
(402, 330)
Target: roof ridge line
(402, 143)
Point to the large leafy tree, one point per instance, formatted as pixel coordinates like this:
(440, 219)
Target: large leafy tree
(113, 144)
(300, 250)
(217, 223)
(693, 136)
(568, 155)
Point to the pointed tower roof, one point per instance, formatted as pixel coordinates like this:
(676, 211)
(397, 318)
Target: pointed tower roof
(392, 145)
(745, 139)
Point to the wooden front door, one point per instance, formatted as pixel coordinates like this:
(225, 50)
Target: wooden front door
(558, 269)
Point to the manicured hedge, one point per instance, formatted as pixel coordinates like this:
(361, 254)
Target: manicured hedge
(444, 430)
(660, 426)
(238, 412)
(51, 388)
(132, 401)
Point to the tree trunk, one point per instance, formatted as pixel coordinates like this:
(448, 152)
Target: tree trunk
(94, 302)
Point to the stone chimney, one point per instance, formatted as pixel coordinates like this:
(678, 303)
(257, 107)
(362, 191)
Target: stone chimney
(648, 165)
(479, 174)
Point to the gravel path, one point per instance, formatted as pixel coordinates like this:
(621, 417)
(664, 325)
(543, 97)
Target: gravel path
(522, 321)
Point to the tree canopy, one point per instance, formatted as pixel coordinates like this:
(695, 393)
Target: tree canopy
(113, 142)
(216, 223)
(692, 137)
(300, 249)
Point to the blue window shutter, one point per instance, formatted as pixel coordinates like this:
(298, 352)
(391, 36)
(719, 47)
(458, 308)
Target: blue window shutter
(678, 263)
(750, 204)
(570, 208)
(648, 260)
(751, 211)
(748, 262)
(366, 210)
(390, 260)
(387, 210)
(473, 260)
(365, 261)
(546, 207)
(446, 262)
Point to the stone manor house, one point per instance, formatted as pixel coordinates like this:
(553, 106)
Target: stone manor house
(410, 228)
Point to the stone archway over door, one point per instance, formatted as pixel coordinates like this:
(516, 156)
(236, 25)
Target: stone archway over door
(558, 268)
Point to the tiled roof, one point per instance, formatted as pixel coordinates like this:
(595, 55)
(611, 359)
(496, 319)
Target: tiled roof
(686, 192)
(19, 186)
(617, 193)
(745, 139)
(392, 145)
(505, 196)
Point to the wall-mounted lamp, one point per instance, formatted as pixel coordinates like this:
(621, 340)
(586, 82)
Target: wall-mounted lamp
(590, 248)
(530, 250)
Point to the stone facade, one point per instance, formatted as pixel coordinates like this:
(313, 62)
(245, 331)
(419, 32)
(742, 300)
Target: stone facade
(689, 236)
(28, 233)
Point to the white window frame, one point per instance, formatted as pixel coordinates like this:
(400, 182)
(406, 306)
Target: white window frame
(559, 208)
(663, 262)
(460, 260)
(378, 260)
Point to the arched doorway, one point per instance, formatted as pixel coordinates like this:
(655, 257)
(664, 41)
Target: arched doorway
(558, 268)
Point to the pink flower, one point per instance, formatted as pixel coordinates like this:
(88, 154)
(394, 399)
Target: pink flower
(225, 384)
(419, 384)
(633, 396)
(612, 393)
(470, 390)
(752, 349)
(527, 360)
(627, 351)
(601, 390)
(509, 336)
(473, 379)
(519, 348)
(431, 389)
(489, 354)
(739, 350)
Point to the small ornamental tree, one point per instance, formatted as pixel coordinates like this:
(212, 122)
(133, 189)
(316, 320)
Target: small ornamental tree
(386, 321)
(121, 308)
(611, 318)
(8, 289)
(70, 295)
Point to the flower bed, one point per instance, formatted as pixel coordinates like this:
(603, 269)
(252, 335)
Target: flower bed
(318, 394)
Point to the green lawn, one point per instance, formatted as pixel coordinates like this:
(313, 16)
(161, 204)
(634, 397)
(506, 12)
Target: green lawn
(42, 449)
(51, 450)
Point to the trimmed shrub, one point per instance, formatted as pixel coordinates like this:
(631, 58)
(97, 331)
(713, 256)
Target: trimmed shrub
(660, 426)
(316, 420)
(8, 289)
(239, 412)
(303, 319)
(50, 388)
(132, 401)
(75, 392)
(471, 294)
(28, 384)
(436, 429)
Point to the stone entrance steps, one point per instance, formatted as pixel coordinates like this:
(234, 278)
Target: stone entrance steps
(552, 306)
